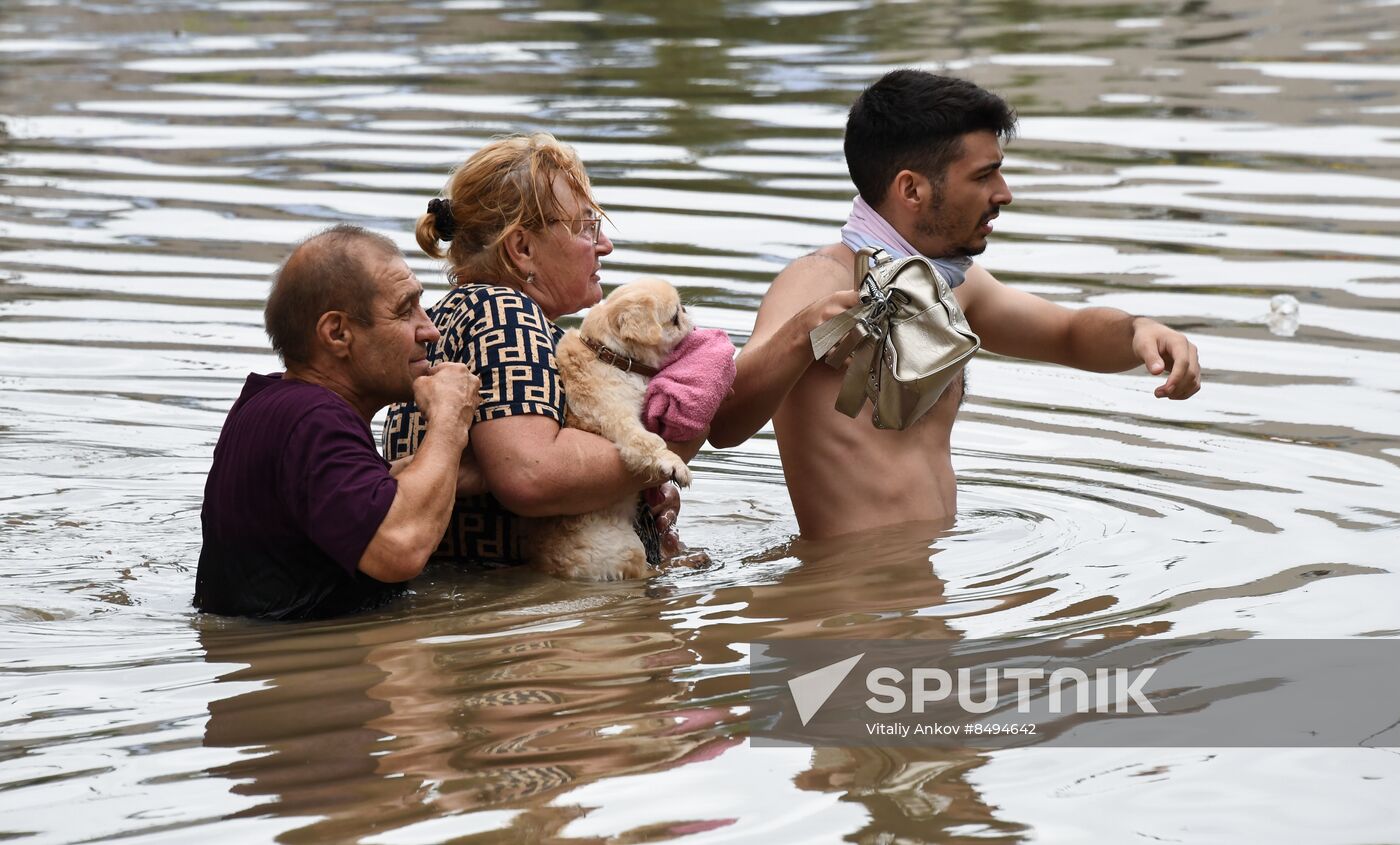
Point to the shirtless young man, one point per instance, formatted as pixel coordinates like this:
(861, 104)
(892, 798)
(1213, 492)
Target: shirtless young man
(925, 153)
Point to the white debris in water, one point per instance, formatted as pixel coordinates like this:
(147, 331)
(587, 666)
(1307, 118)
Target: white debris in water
(1283, 315)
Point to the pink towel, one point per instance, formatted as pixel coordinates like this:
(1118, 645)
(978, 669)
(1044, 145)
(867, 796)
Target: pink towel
(682, 398)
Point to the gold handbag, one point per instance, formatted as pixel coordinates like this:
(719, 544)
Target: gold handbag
(907, 339)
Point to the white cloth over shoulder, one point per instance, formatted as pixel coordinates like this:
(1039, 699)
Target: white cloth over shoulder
(866, 228)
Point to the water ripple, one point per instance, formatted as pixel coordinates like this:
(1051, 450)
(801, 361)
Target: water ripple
(1187, 164)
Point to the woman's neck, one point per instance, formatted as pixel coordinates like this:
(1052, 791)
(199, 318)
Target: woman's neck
(523, 290)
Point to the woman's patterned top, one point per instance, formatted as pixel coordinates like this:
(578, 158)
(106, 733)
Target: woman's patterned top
(506, 340)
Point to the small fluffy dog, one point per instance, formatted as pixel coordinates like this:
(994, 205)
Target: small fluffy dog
(634, 329)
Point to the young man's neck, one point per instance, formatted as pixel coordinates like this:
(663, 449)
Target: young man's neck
(903, 223)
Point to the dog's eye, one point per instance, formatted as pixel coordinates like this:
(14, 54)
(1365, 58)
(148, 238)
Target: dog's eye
(676, 320)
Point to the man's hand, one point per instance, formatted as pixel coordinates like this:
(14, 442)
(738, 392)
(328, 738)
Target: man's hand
(780, 349)
(827, 307)
(448, 396)
(1161, 348)
(688, 449)
(417, 518)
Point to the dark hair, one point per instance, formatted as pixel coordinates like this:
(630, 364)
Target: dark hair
(915, 120)
(325, 272)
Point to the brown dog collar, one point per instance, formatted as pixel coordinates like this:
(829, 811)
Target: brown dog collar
(622, 362)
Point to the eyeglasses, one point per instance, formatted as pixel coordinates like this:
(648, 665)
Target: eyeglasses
(590, 227)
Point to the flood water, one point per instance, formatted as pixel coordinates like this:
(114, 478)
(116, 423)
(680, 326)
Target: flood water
(1184, 160)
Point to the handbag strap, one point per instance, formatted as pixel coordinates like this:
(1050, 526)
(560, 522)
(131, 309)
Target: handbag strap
(836, 356)
(830, 334)
(853, 393)
(864, 259)
(835, 339)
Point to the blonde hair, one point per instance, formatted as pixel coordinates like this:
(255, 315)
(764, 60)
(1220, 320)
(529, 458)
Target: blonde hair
(506, 185)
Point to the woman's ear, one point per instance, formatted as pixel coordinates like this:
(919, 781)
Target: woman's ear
(520, 249)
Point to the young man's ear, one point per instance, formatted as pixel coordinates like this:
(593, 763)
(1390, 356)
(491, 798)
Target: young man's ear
(334, 332)
(910, 189)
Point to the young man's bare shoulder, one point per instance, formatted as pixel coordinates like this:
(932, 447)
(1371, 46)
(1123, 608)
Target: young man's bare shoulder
(804, 281)
(820, 271)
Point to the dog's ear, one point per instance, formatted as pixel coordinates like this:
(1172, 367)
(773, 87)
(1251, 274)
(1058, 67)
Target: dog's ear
(634, 324)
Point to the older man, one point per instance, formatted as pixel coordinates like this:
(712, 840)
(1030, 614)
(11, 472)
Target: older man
(302, 517)
(924, 152)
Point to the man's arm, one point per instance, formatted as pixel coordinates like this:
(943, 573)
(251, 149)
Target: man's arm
(1106, 340)
(427, 487)
(535, 468)
(807, 293)
(469, 480)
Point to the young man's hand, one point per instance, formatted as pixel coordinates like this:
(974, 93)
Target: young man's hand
(1163, 349)
(827, 307)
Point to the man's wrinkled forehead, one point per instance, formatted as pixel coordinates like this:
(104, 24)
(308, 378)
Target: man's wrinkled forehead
(395, 282)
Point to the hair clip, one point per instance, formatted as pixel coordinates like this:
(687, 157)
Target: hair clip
(443, 223)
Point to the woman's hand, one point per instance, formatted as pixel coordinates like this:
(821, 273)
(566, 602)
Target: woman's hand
(665, 505)
(470, 479)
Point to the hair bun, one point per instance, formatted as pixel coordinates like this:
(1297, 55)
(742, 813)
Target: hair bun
(443, 224)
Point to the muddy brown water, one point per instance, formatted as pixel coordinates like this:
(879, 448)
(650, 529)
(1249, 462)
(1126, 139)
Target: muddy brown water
(1186, 160)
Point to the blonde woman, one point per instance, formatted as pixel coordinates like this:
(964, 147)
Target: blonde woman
(523, 241)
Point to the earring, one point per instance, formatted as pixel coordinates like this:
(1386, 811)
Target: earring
(529, 278)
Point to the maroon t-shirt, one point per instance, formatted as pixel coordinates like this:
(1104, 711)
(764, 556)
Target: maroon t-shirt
(296, 492)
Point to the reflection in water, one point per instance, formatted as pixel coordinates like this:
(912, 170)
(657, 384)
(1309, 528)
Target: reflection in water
(875, 585)
(1187, 161)
(386, 723)
(379, 726)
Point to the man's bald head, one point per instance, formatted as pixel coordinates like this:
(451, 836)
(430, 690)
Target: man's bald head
(328, 271)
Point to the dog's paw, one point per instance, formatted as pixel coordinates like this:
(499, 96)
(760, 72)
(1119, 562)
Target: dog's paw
(673, 468)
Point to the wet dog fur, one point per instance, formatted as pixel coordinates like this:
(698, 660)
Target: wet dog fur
(644, 321)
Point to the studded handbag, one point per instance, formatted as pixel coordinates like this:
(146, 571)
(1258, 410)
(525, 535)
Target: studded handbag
(906, 341)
